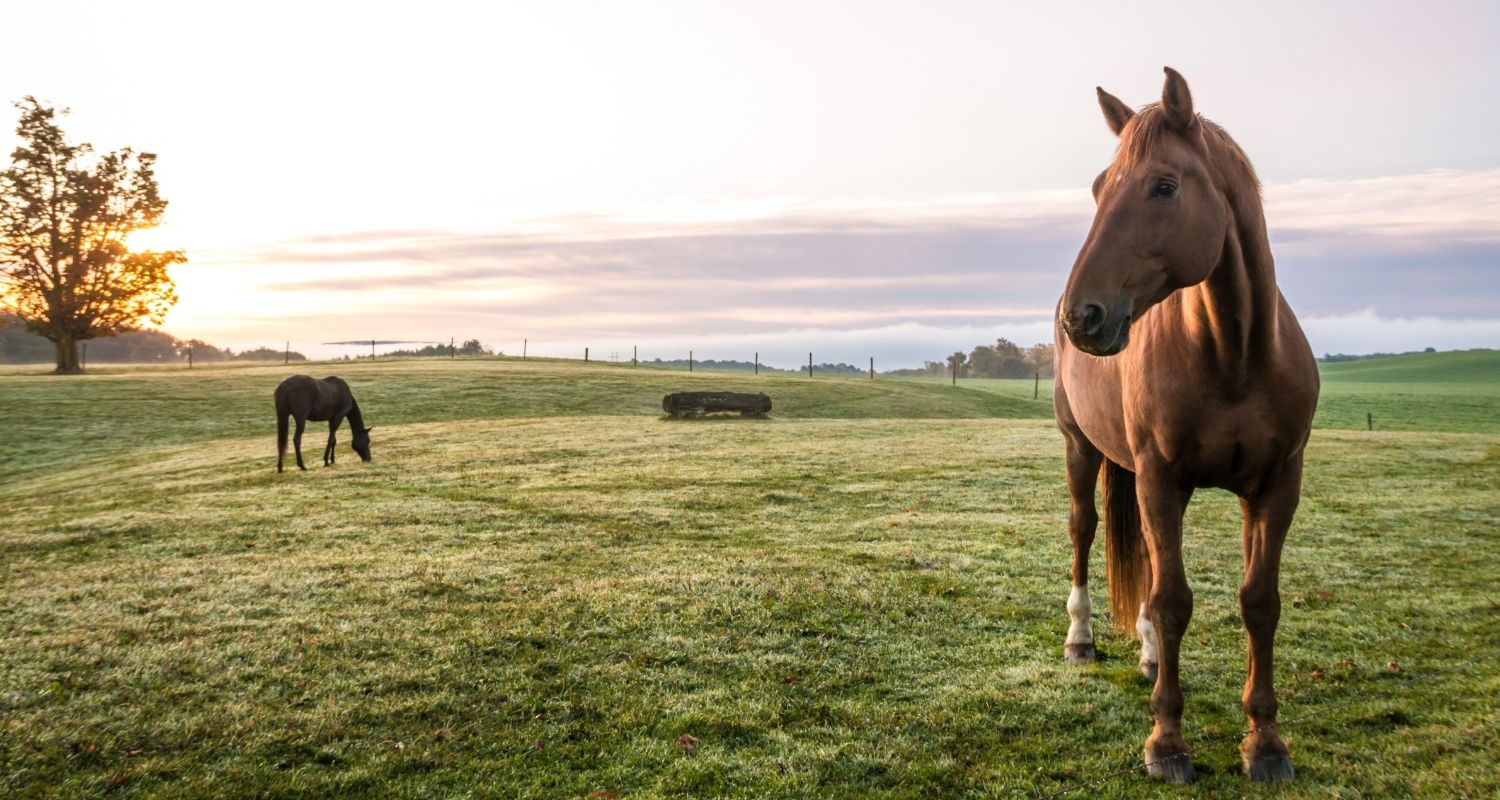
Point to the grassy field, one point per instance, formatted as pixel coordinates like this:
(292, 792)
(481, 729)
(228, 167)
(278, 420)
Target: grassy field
(540, 588)
(1456, 392)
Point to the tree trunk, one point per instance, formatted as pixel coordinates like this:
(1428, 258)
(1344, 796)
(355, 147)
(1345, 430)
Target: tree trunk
(67, 356)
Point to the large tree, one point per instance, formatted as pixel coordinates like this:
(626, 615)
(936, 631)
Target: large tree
(66, 271)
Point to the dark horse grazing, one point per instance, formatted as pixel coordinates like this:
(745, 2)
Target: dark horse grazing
(1216, 388)
(311, 399)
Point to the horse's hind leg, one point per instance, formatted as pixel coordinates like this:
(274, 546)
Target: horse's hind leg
(1267, 517)
(297, 441)
(1083, 461)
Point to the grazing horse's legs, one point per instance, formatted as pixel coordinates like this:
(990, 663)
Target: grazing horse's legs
(1083, 462)
(1267, 515)
(1162, 503)
(329, 451)
(297, 440)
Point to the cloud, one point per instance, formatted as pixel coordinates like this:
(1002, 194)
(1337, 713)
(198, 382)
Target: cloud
(1405, 209)
(1365, 331)
(1404, 262)
(1423, 245)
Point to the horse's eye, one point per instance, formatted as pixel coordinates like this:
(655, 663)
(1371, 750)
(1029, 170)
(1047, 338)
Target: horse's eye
(1164, 189)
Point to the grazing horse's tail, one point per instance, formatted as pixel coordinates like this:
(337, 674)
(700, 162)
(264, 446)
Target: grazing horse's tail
(1125, 557)
(282, 420)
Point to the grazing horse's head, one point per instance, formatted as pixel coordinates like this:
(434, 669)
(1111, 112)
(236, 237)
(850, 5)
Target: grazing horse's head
(361, 443)
(1163, 217)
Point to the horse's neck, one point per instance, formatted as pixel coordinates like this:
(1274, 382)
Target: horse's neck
(355, 420)
(1236, 308)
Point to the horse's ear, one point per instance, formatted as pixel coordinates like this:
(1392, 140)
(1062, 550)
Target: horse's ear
(367, 430)
(1116, 113)
(1177, 101)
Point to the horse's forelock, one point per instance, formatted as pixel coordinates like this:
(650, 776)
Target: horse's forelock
(1146, 130)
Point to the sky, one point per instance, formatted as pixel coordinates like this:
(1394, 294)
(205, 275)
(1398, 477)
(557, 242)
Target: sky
(896, 180)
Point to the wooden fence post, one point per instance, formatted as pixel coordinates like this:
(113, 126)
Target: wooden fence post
(452, 352)
(286, 357)
(1370, 421)
(635, 355)
(585, 355)
(190, 356)
(1036, 388)
(757, 362)
(809, 365)
(872, 368)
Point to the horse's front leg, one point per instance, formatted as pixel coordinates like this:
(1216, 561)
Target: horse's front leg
(329, 451)
(1268, 515)
(1083, 461)
(1170, 604)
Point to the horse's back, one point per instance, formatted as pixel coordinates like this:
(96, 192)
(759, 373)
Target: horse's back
(337, 384)
(313, 398)
(293, 389)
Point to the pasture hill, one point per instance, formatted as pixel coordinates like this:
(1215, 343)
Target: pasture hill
(1451, 391)
(541, 587)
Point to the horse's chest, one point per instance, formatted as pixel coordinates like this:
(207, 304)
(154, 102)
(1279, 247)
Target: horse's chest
(1229, 444)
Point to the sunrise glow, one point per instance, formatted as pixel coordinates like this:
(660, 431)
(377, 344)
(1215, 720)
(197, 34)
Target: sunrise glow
(578, 173)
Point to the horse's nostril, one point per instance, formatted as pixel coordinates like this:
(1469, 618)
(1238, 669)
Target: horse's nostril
(1093, 318)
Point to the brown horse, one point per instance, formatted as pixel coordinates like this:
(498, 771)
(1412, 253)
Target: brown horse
(1180, 366)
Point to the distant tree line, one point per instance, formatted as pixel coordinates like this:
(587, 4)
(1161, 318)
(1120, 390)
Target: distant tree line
(749, 366)
(712, 364)
(472, 347)
(18, 346)
(1333, 358)
(1003, 359)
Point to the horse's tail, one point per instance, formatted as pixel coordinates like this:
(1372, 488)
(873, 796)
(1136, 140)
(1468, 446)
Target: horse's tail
(282, 419)
(1125, 557)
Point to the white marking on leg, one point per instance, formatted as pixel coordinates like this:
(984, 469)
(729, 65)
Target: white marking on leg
(1080, 630)
(1147, 633)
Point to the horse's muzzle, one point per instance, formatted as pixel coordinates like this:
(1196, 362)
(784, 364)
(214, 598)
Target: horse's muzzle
(1097, 332)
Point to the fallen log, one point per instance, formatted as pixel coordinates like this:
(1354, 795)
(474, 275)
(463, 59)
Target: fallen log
(689, 405)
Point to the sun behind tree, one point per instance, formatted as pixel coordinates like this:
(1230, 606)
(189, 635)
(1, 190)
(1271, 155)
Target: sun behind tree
(65, 269)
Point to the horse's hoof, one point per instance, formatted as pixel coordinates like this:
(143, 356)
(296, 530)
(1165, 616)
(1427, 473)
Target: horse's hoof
(1079, 653)
(1269, 769)
(1148, 669)
(1176, 768)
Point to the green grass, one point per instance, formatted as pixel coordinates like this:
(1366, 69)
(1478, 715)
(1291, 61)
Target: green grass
(540, 585)
(1453, 392)
(111, 410)
(1469, 367)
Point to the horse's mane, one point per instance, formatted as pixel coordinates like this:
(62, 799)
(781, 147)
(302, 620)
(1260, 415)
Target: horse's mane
(1142, 133)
